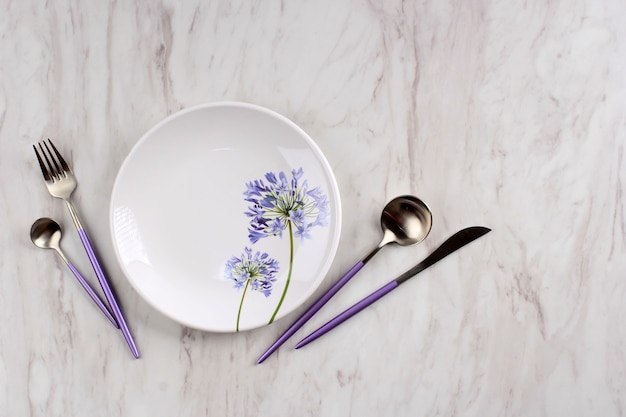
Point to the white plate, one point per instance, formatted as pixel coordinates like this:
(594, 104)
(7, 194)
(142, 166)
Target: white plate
(178, 216)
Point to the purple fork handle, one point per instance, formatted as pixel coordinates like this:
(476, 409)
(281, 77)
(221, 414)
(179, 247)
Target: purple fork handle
(92, 294)
(311, 311)
(367, 301)
(108, 293)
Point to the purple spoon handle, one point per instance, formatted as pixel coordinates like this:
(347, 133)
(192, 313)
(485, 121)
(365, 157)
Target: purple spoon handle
(108, 293)
(336, 321)
(92, 294)
(312, 310)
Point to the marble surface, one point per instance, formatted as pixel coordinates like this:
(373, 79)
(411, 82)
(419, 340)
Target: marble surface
(510, 115)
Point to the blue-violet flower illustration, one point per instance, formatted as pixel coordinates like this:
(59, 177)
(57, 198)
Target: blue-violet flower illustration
(256, 271)
(278, 204)
(278, 201)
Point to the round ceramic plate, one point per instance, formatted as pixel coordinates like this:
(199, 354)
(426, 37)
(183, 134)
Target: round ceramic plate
(225, 217)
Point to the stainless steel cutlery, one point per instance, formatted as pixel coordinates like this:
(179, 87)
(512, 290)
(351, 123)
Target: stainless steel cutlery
(61, 183)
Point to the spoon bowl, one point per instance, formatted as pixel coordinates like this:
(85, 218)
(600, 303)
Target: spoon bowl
(46, 233)
(405, 221)
(408, 218)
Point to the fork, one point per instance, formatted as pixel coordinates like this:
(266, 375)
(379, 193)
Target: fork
(61, 183)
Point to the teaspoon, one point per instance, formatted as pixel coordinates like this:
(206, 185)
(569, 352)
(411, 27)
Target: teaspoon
(46, 234)
(405, 220)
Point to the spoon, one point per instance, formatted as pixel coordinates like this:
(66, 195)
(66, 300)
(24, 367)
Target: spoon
(405, 220)
(46, 234)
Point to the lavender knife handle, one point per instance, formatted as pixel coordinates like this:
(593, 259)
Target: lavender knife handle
(312, 310)
(108, 293)
(367, 301)
(92, 294)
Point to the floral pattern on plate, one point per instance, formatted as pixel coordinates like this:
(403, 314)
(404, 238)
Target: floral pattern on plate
(278, 204)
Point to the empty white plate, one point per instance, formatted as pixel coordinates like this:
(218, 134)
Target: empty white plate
(217, 208)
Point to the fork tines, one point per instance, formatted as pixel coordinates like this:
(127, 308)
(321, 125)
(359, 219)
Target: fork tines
(54, 168)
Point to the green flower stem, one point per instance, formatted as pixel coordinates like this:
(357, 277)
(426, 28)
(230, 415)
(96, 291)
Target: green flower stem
(241, 303)
(282, 297)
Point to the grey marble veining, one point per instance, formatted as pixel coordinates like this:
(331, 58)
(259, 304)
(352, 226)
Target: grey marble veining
(506, 115)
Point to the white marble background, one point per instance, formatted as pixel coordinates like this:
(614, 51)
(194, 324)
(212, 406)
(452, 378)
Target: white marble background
(504, 114)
